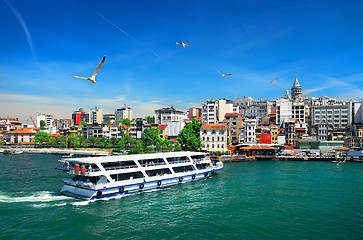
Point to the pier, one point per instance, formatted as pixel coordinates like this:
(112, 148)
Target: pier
(242, 158)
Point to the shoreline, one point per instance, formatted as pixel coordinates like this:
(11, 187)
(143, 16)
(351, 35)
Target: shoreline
(62, 151)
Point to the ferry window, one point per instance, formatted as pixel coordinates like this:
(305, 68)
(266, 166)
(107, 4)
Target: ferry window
(183, 169)
(158, 172)
(86, 179)
(202, 166)
(152, 162)
(198, 157)
(126, 176)
(182, 159)
(119, 165)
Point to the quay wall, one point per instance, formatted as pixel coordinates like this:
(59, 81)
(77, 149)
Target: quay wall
(237, 158)
(62, 151)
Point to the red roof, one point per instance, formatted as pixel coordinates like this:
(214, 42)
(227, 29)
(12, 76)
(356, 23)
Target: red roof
(341, 149)
(55, 135)
(31, 128)
(213, 126)
(231, 114)
(173, 139)
(22, 131)
(258, 147)
(300, 129)
(162, 127)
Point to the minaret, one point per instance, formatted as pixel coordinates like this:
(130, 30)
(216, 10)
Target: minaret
(296, 91)
(7, 124)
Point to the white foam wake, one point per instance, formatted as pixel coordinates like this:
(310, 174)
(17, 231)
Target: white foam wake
(42, 196)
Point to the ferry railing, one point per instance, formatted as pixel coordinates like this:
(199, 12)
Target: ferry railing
(120, 167)
(72, 170)
(152, 164)
(179, 161)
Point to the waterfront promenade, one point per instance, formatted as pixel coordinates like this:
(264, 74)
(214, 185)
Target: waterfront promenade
(61, 151)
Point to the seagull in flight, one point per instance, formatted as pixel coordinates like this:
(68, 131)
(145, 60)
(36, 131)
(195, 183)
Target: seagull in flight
(274, 80)
(183, 44)
(92, 79)
(223, 75)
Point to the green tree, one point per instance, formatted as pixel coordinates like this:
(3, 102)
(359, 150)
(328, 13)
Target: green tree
(177, 147)
(125, 121)
(41, 137)
(52, 141)
(151, 137)
(92, 140)
(42, 124)
(150, 119)
(167, 146)
(121, 144)
(189, 137)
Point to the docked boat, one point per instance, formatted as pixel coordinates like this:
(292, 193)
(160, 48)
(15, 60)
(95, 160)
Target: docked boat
(17, 152)
(99, 177)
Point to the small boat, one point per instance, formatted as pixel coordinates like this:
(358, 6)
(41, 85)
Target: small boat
(99, 177)
(2, 150)
(17, 152)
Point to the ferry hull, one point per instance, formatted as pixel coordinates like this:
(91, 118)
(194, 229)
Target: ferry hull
(90, 194)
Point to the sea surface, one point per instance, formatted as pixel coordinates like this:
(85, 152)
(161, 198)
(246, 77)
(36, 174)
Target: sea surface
(246, 200)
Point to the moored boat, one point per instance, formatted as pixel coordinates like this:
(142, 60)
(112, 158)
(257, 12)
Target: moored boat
(99, 177)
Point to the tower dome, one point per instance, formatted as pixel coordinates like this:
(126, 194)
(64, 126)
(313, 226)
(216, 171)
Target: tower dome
(296, 91)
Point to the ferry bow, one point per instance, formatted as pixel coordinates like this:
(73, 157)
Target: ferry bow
(99, 177)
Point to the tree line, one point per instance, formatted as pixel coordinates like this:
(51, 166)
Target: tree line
(188, 139)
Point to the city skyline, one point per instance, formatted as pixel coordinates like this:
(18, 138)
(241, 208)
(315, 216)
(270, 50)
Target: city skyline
(44, 43)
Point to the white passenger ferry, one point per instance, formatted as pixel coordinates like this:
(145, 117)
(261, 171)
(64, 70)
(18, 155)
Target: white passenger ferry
(98, 177)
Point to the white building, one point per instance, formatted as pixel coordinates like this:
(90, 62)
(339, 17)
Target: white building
(165, 115)
(47, 118)
(123, 113)
(214, 137)
(355, 113)
(335, 116)
(174, 128)
(109, 118)
(299, 111)
(214, 111)
(96, 115)
(283, 109)
(248, 131)
(111, 131)
(243, 104)
(258, 109)
(209, 112)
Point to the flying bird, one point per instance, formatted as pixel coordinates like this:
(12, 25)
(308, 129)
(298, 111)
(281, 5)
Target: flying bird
(183, 44)
(274, 80)
(92, 79)
(223, 75)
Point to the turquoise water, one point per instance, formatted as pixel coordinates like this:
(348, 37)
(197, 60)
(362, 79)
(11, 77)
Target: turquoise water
(246, 200)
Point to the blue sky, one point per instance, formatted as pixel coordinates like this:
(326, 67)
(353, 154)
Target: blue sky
(43, 42)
